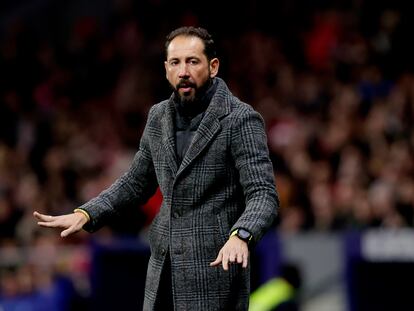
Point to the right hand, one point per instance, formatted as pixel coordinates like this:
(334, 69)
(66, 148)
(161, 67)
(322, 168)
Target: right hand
(70, 222)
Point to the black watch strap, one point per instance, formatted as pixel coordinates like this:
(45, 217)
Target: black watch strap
(242, 234)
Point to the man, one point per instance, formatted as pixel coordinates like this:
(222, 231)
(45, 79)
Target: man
(207, 152)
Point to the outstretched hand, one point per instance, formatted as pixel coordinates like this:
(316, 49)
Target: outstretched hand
(234, 251)
(71, 223)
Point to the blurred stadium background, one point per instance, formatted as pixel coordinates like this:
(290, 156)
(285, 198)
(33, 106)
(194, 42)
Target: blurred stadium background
(333, 80)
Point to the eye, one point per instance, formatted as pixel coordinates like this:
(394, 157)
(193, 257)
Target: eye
(194, 62)
(173, 62)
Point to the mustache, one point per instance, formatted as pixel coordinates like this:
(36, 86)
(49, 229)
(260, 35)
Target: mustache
(185, 83)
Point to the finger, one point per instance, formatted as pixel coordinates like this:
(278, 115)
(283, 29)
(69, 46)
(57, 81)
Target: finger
(239, 257)
(218, 260)
(225, 262)
(43, 217)
(47, 224)
(245, 259)
(232, 257)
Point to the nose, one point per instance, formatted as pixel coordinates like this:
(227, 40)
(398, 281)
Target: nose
(183, 71)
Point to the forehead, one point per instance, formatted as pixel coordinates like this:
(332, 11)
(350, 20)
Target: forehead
(185, 46)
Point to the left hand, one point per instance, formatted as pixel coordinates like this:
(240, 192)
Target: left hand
(234, 251)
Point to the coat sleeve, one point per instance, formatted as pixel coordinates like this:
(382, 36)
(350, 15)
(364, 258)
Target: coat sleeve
(136, 186)
(251, 156)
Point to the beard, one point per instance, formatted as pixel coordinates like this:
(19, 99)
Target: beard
(196, 92)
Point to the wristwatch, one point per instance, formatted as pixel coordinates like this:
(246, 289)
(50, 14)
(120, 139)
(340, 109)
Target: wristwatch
(242, 234)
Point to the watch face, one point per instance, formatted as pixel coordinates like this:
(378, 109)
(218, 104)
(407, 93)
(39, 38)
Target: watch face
(243, 234)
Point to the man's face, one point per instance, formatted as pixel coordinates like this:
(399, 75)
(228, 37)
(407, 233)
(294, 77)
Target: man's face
(187, 67)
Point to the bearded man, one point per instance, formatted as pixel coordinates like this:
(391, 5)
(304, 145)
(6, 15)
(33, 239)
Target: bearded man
(207, 151)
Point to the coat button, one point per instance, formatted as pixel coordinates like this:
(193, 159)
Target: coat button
(163, 251)
(176, 214)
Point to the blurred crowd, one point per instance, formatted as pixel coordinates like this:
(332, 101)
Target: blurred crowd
(335, 87)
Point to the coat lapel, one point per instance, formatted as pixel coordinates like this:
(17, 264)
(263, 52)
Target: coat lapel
(209, 126)
(168, 134)
(206, 131)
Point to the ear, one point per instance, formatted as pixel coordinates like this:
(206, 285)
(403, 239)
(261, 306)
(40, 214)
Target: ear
(214, 67)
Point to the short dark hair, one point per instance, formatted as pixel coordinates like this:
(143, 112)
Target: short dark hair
(209, 45)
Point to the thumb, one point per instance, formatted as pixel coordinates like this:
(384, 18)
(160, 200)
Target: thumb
(66, 232)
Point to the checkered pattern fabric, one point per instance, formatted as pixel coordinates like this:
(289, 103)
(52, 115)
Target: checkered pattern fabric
(224, 182)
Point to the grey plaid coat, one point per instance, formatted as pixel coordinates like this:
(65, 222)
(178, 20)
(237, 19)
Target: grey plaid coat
(224, 182)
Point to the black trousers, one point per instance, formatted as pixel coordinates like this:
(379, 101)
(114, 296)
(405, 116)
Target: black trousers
(164, 300)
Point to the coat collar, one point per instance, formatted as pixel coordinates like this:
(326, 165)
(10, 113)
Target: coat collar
(219, 107)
